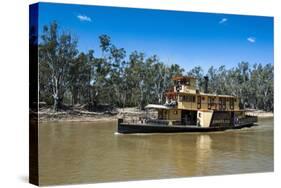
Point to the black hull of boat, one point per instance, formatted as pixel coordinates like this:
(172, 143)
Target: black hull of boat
(126, 128)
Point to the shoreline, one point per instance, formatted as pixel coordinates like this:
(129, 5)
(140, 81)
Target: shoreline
(260, 113)
(128, 113)
(86, 116)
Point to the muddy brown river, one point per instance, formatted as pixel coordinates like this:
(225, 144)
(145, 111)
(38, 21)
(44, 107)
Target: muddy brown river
(84, 152)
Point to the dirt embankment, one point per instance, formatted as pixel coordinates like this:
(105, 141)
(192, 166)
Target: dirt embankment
(77, 114)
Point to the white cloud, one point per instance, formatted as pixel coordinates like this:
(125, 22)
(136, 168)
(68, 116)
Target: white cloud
(251, 39)
(223, 20)
(84, 18)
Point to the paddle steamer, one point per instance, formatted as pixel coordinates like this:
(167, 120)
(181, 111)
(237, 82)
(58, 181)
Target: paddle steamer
(189, 110)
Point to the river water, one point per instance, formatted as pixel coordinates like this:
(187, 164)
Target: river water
(84, 152)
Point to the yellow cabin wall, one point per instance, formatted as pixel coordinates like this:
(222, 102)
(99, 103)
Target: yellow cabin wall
(187, 105)
(170, 114)
(191, 88)
(236, 105)
(174, 114)
(204, 104)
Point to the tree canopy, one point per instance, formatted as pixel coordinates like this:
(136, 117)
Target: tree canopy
(118, 79)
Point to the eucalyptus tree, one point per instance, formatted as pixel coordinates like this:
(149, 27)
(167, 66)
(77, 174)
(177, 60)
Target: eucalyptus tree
(79, 78)
(198, 73)
(99, 69)
(175, 70)
(135, 79)
(57, 50)
(242, 87)
(117, 72)
(74, 77)
(160, 80)
(213, 79)
(114, 79)
(262, 81)
(105, 43)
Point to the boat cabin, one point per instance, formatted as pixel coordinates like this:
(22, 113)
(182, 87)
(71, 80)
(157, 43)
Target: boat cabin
(186, 105)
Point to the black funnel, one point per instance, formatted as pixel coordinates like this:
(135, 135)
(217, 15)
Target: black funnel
(206, 84)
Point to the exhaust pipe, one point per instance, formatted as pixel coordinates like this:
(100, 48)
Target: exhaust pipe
(206, 84)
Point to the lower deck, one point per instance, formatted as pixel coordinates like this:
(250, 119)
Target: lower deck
(190, 121)
(126, 128)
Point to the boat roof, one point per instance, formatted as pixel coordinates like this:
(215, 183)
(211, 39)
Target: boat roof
(209, 94)
(175, 78)
(157, 106)
(215, 95)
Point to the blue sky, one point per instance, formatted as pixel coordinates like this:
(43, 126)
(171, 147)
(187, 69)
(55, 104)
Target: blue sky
(185, 38)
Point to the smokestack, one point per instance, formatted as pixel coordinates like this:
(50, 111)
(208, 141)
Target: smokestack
(206, 84)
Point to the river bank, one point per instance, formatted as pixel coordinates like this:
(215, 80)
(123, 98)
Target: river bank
(259, 113)
(46, 114)
(133, 113)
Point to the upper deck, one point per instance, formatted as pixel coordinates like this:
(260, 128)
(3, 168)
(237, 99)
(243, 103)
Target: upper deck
(187, 96)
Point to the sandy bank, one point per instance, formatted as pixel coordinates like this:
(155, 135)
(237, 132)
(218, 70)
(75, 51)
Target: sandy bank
(82, 115)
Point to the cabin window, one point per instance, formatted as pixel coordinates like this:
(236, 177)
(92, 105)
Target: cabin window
(213, 101)
(220, 103)
(199, 114)
(198, 102)
(224, 103)
(188, 98)
(209, 102)
(182, 82)
(160, 114)
(191, 98)
(180, 98)
(231, 103)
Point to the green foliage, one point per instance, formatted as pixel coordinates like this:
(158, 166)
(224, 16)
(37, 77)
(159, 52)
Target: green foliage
(115, 79)
(254, 85)
(56, 52)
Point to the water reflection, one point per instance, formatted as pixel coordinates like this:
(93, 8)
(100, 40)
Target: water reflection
(91, 152)
(203, 147)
